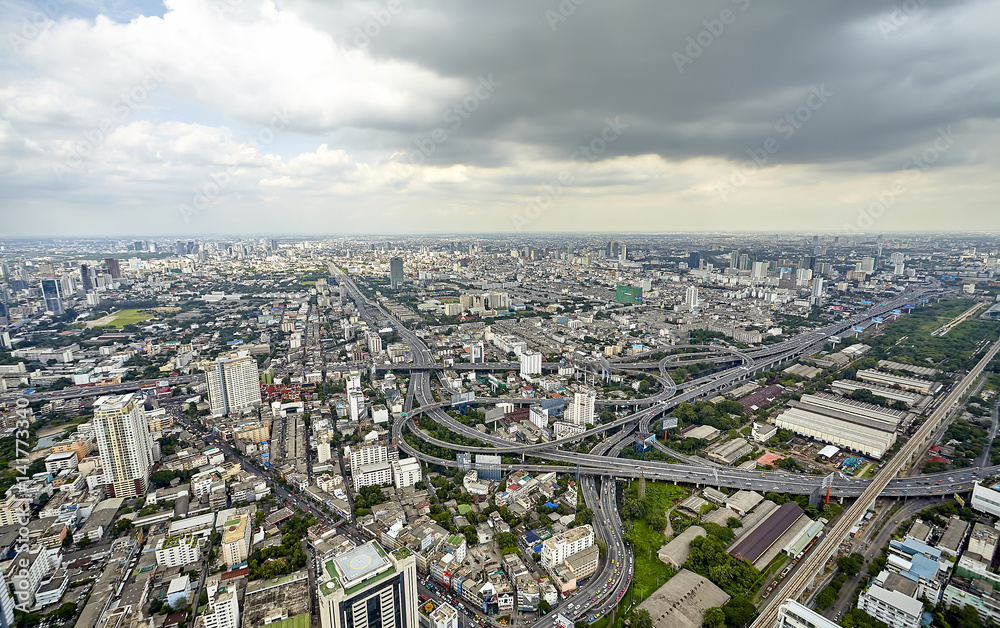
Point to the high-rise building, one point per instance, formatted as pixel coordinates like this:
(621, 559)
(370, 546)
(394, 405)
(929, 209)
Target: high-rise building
(366, 454)
(734, 259)
(581, 411)
(236, 535)
(396, 273)
(488, 467)
(867, 264)
(556, 549)
(374, 342)
(114, 269)
(817, 291)
(759, 270)
(52, 294)
(86, 281)
(691, 297)
(477, 352)
(126, 449)
(744, 261)
(622, 252)
(233, 383)
(694, 259)
(531, 363)
(368, 587)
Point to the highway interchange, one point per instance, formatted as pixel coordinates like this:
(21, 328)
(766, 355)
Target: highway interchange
(598, 471)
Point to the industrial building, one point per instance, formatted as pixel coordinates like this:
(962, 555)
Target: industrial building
(676, 552)
(683, 600)
(757, 542)
(729, 451)
(861, 427)
(848, 386)
(922, 386)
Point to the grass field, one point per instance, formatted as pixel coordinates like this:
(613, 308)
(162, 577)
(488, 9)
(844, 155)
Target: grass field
(126, 317)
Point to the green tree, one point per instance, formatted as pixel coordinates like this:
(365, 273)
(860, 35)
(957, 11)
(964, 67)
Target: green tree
(641, 619)
(714, 617)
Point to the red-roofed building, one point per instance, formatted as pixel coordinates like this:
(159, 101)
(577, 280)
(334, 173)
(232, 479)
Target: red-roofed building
(235, 573)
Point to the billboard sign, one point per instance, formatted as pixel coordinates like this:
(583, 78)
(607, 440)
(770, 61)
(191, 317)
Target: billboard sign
(878, 319)
(463, 398)
(668, 423)
(909, 306)
(897, 311)
(858, 328)
(925, 300)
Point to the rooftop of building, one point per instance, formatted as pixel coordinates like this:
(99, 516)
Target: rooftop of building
(356, 568)
(235, 528)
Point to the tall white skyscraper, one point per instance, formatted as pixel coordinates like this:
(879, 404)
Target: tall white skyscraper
(759, 270)
(531, 363)
(691, 297)
(817, 291)
(126, 449)
(356, 397)
(581, 411)
(233, 383)
(374, 342)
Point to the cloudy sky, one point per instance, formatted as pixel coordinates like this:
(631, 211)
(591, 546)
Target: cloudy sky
(395, 116)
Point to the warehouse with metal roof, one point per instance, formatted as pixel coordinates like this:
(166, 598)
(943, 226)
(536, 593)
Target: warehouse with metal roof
(863, 427)
(759, 540)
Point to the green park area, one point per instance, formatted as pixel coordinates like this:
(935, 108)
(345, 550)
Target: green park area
(122, 318)
(909, 338)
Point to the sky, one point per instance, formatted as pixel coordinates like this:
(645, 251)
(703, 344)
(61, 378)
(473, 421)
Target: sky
(393, 116)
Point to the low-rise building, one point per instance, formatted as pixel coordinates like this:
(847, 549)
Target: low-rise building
(891, 600)
(178, 551)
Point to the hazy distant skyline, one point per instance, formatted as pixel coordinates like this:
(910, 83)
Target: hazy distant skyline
(238, 116)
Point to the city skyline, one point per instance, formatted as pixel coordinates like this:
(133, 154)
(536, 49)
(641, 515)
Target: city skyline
(384, 117)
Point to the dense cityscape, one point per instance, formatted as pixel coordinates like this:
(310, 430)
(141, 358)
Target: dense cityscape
(521, 314)
(675, 430)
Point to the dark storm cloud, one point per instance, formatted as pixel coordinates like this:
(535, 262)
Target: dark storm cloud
(694, 79)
